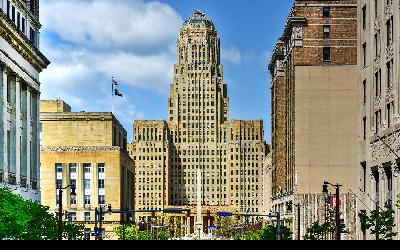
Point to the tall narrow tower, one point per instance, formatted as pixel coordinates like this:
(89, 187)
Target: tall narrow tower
(198, 107)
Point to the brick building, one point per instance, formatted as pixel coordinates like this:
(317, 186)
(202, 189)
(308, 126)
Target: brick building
(315, 124)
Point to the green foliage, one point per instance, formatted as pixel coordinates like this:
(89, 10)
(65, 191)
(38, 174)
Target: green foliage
(132, 233)
(319, 232)
(268, 232)
(379, 223)
(163, 235)
(398, 201)
(21, 219)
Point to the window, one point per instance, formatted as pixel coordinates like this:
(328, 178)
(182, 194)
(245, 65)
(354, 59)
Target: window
(389, 66)
(326, 12)
(378, 115)
(87, 168)
(364, 176)
(327, 30)
(101, 168)
(87, 216)
(8, 8)
(389, 30)
(327, 53)
(23, 25)
(377, 43)
(32, 36)
(59, 168)
(389, 110)
(102, 200)
(86, 184)
(87, 200)
(376, 8)
(72, 167)
(13, 14)
(87, 234)
(364, 128)
(71, 216)
(101, 184)
(378, 83)
(58, 184)
(73, 200)
(364, 87)
(18, 20)
(364, 17)
(364, 55)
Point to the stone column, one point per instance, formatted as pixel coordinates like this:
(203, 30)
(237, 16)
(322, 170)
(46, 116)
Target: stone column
(5, 122)
(3, 111)
(18, 133)
(29, 135)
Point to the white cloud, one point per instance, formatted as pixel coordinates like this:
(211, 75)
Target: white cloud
(90, 41)
(231, 55)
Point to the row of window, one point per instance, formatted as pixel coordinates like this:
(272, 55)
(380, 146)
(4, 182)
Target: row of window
(87, 200)
(20, 21)
(87, 167)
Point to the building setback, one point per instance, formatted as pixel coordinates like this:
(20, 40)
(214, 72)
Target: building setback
(379, 136)
(199, 136)
(20, 65)
(315, 114)
(89, 151)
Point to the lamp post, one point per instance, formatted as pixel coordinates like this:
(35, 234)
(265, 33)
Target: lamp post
(337, 214)
(60, 210)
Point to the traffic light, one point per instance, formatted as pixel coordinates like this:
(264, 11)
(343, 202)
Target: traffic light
(66, 215)
(208, 214)
(237, 216)
(188, 213)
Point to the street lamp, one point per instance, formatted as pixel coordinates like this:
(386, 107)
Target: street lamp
(325, 191)
(60, 210)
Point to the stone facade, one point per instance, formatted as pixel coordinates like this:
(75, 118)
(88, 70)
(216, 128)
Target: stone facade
(20, 65)
(314, 116)
(379, 135)
(89, 151)
(199, 136)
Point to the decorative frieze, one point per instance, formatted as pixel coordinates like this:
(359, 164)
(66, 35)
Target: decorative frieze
(377, 63)
(377, 23)
(390, 94)
(380, 150)
(378, 102)
(80, 149)
(389, 52)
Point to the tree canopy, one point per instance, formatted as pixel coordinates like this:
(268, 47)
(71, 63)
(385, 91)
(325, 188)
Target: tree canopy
(22, 219)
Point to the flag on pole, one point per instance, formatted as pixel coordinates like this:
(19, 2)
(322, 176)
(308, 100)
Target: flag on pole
(115, 83)
(117, 93)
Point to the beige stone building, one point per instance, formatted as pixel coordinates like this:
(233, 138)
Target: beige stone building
(379, 133)
(315, 112)
(199, 136)
(89, 151)
(21, 62)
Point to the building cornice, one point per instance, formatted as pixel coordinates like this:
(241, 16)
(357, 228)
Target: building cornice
(79, 149)
(18, 40)
(291, 22)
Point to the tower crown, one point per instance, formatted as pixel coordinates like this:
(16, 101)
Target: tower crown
(198, 20)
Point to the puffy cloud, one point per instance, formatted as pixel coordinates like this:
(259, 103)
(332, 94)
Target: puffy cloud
(231, 55)
(128, 25)
(89, 41)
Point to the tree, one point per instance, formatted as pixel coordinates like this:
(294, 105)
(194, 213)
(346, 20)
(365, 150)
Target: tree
(266, 233)
(319, 232)
(22, 219)
(127, 232)
(380, 224)
(398, 201)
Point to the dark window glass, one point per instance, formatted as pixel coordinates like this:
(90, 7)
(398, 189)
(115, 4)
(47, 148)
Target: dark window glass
(327, 53)
(326, 12)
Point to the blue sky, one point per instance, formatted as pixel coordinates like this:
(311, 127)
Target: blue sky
(89, 41)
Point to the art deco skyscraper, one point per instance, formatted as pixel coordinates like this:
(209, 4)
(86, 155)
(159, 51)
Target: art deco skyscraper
(199, 136)
(198, 109)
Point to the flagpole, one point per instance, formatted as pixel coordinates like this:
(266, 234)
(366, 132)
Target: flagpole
(112, 96)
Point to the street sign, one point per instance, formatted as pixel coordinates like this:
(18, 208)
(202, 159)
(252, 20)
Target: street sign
(96, 234)
(222, 214)
(212, 228)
